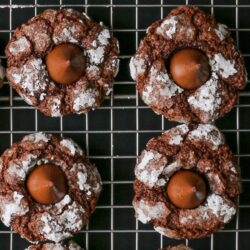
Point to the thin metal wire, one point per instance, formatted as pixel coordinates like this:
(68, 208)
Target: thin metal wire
(112, 150)
(15, 6)
(137, 117)
(237, 127)
(11, 111)
(112, 107)
(162, 127)
(87, 148)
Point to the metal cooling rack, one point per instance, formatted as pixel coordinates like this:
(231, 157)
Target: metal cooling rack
(114, 134)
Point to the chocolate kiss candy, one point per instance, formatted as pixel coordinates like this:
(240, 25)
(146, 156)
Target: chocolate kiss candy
(66, 63)
(186, 189)
(190, 68)
(47, 184)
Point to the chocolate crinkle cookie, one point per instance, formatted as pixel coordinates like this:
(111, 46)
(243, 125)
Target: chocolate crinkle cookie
(187, 182)
(62, 62)
(51, 246)
(48, 188)
(179, 247)
(188, 68)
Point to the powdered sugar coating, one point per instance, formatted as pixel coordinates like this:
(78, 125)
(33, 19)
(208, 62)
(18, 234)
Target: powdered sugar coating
(221, 31)
(166, 232)
(153, 168)
(84, 100)
(67, 35)
(223, 66)
(176, 135)
(88, 179)
(103, 37)
(74, 246)
(82, 178)
(19, 169)
(168, 27)
(71, 146)
(31, 76)
(10, 208)
(19, 46)
(146, 170)
(207, 133)
(57, 228)
(214, 204)
(220, 208)
(207, 99)
(170, 169)
(55, 107)
(27, 72)
(49, 246)
(137, 66)
(96, 56)
(37, 137)
(160, 86)
(146, 212)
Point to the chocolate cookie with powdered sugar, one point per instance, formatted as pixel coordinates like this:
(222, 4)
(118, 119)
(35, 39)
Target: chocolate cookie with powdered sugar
(48, 188)
(187, 182)
(50, 246)
(188, 68)
(62, 62)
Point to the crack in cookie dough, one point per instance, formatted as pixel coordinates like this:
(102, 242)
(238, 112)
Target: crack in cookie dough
(199, 148)
(32, 42)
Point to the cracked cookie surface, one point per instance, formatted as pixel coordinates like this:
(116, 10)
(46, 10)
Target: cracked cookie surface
(199, 148)
(188, 27)
(27, 72)
(32, 220)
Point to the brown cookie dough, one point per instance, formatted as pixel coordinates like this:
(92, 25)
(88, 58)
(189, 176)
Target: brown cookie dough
(32, 220)
(50, 246)
(179, 247)
(198, 148)
(188, 27)
(27, 72)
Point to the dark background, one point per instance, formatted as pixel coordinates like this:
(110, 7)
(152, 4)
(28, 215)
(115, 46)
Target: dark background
(114, 134)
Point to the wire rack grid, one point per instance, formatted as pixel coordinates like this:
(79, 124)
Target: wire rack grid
(114, 134)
